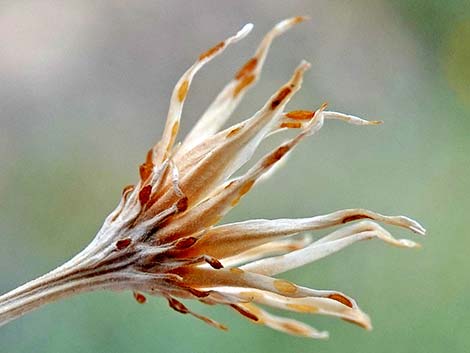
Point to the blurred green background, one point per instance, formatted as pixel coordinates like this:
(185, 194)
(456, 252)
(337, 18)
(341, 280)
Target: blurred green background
(84, 89)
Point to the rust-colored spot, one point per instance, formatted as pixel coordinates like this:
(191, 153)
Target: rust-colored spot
(212, 51)
(174, 129)
(285, 287)
(144, 194)
(354, 218)
(275, 156)
(123, 243)
(246, 187)
(183, 90)
(213, 262)
(236, 270)
(185, 242)
(178, 306)
(245, 312)
(340, 298)
(290, 125)
(234, 131)
(280, 97)
(244, 82)
(249, 66)
(303, 308)
(300, 115)
(139, 297)
(295, 328)
(243, 190)
(182, 204)
(145, 170)
(236, 200)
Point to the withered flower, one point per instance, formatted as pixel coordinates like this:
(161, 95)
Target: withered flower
(163, 238)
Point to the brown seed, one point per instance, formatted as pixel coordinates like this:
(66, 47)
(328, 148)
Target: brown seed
(183, 90)
(285, 287)
(212, 51)
(354, 218)
(280, 97)
(291, 125)
(300, 115)
(249, 66)
(275, 156)
(244, 312)
(295, 329)
(185, 243)
(139, 297)
(340, 298)
(244, 82)
(303, 308)
(182, 204)
(123, 243)
(144, 194)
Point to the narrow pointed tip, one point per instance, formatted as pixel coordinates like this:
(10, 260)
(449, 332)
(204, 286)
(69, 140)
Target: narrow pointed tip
(376, 122)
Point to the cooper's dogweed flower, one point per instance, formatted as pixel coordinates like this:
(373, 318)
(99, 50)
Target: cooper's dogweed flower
(163, 238)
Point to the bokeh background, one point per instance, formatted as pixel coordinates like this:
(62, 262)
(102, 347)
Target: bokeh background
(84, 90)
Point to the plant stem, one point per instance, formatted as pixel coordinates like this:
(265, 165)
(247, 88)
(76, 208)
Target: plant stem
(65, 281)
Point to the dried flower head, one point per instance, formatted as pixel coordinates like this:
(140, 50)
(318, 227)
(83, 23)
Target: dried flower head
(163, 238)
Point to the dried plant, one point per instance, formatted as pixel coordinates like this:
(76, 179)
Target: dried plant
(162, 239)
